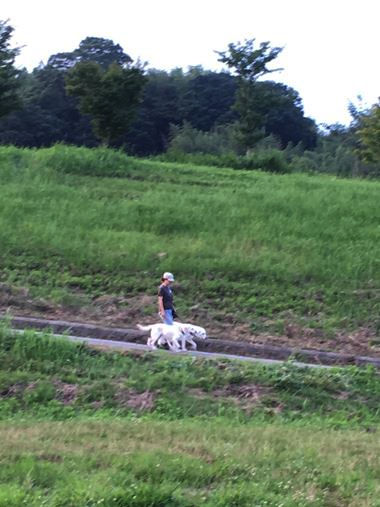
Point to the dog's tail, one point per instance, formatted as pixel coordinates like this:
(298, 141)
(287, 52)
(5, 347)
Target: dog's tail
(144, 328)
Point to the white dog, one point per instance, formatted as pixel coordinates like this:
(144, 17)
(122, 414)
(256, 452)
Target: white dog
(161, 334)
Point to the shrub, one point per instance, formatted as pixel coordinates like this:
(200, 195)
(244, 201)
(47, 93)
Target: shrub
(271, 160)
(85, 161)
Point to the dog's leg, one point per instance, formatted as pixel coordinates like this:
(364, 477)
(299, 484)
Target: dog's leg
(173, 345)
(174, 339)
(152, 345)
(192, 343)
(185, 339)
(181, 337)
(162, 341)
(154, 337)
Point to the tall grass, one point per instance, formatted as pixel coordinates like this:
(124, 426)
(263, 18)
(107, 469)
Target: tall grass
(33, 368)
(65, 217)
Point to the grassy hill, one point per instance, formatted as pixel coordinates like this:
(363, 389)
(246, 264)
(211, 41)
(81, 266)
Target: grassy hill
(291, 258)
(82, 427)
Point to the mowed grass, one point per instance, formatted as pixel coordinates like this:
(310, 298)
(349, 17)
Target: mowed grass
(270, 247)
(215, 433)
(185, 463)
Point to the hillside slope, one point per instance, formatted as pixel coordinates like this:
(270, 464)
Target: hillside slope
(282, 258)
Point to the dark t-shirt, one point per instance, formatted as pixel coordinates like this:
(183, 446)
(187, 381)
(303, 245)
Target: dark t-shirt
(167, 294)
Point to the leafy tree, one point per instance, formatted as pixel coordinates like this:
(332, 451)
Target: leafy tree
(199, 97)
(208, 99)
(109, 96)
(369, 135)
(9, 82)
(102, 51)
(91, 49)
(159, 108)
(281, 111)
(48, 115)
(249, 64)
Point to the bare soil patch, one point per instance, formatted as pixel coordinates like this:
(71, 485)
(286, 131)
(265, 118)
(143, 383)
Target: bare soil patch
(141, 402)
(246, 396)
(67, 393)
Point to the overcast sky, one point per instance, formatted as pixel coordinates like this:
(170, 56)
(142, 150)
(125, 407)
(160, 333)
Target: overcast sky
(331, 47)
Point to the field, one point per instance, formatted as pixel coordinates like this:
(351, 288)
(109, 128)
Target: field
(289, 258)
(82, 427)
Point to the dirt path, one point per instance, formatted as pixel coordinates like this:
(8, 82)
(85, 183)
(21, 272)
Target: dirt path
(117, 311)
(133, 337)
(118, 345)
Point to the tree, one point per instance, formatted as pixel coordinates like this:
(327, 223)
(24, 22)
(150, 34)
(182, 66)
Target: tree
(208, 100)
(369, 135)
(9, 82)
(249, 64)
(48, 114)
(109, 96)
(281, 111)
(91, 49)
(159, 109)
(200, 97)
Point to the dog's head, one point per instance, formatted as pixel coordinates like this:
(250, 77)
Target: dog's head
(197, 332)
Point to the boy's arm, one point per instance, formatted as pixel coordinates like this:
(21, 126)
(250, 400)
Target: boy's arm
(161, 309)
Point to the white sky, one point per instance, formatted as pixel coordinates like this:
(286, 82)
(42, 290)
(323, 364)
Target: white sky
(331, 47)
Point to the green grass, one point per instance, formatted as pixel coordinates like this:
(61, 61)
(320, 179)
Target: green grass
(217, 433)
(263, 247)
(37, 375)
(185, 463)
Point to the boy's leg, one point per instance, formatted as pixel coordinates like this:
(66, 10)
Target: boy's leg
(168, 317)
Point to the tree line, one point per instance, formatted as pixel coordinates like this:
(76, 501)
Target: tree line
(99, 94)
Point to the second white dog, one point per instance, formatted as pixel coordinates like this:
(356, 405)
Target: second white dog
(172, 335)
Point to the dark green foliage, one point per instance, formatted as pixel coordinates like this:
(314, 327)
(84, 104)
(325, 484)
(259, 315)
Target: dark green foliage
(48, 115)
(369, 135)
(270, 160)
(250, 64)
(199, 97)
(9, 83)
(146, 115)
(185, 139)
(109, 96)
(208, 100)
(91, 49)
(281, 109)
(159, 108)
(336, 152)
